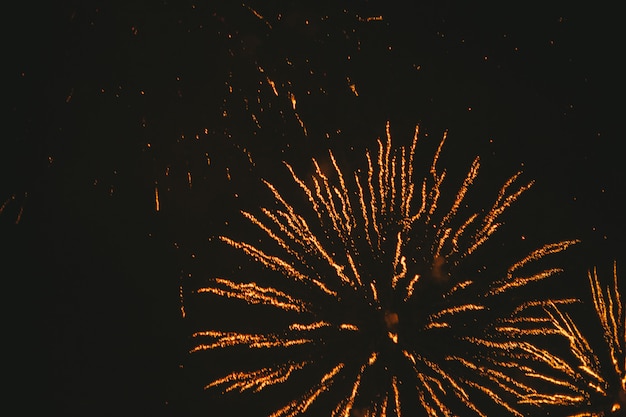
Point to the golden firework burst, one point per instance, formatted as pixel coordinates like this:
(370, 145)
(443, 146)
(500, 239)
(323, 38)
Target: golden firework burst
(373, 270)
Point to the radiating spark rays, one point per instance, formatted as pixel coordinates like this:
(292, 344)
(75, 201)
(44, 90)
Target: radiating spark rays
(277, 264)
(345, 407)
(363, 245)
(434, 321)
(301, 405)
(610, 312)
(257, 380)
(513, 281)
(255, 294)
(589, 377)
(258, 341)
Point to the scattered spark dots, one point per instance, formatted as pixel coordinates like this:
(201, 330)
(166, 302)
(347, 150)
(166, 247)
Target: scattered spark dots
(372, 269)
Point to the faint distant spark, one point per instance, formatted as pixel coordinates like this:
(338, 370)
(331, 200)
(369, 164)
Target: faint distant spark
(12, 199)
(372, 270)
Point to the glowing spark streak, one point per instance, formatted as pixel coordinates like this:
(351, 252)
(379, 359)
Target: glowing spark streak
(495, 398)
(408, 190)
(301, 405)
(442, 240)
(555, 381)
(443, 225)
(258, 15)
(546, 357)
(309, 327)
(344, 196)
(456, 310)
(396, 396)
(403, 181)
(374, 291)
(157, 205)
(257, 380)
(258, 341)
(283, 228)
(306, 190)
(254, 294)
(432, 411)
(393, 183)
(443, 230)
(182, 301)
(467, 182)
(292, 97)
(363, 205)
(500, 205)
(354, 269)
(370, 186)
(578, 344)
(329, 203)
(545, 250)
(552, 399)
(459, 233)
(459, 286)
(389, 182)
(344, 407)
(383, 172)
(398, 259)
(512, 282)
(411, 286)
(609, 311)
(276, 263)
(499, 378)
(255, 120)
(383, 406)
(543, 303)
(422, 379)
(511, 331)
(269, 81)
(273, 85)
(433, 167)
(457, 389)
(521, 281)
(304, 231)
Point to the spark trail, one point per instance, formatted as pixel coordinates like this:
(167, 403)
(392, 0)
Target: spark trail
(373, 269)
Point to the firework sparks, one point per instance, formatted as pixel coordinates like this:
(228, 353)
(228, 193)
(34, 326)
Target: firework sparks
(595, 383)
(375, 270)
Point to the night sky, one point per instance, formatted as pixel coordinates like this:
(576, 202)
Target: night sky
(108, 103)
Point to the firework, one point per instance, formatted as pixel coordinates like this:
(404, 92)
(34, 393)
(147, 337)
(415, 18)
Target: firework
(587, 379)
(374, 275)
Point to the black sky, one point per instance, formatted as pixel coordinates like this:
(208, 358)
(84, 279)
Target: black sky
(107, 100)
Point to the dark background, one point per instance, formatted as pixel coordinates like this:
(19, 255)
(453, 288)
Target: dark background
(106, 101)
